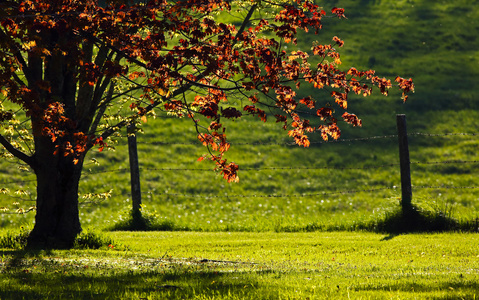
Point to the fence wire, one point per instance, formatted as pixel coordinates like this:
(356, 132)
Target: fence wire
(126, 170)
(306, 195)
(445, 162)
(287, 168)
(289, 143)
(302, 195)
(236, 196)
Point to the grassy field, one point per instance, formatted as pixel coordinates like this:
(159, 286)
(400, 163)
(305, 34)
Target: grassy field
(282, 187)
(187, 265)
(329, 185)
(285, 231)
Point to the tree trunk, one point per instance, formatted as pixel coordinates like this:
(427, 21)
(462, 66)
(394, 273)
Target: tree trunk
(57, 221)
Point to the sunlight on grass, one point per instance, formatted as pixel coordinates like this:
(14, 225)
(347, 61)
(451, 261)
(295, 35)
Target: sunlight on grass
(178, 265)
(288, 188)
(274, 235)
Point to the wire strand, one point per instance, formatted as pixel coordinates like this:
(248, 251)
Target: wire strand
(319, 142)
(275, 195)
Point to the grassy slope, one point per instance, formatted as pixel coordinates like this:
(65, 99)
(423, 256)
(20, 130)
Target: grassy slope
(172, 265)
(433, 42)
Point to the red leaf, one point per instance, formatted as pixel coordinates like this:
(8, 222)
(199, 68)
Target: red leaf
(352, 119)
(338, 12)
(338, 41)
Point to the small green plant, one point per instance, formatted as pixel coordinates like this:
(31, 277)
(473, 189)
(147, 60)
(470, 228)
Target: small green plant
(93, 240)
(144, 220)
(416, 220)
(444, 209)
(86, 240)
(15, 240)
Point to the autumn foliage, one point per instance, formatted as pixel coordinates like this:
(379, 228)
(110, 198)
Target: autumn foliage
(177, 57)
(75, 73)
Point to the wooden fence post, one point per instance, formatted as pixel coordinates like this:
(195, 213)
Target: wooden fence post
(134, 170)
(405, 164)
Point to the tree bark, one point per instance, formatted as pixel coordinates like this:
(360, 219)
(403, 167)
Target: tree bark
(57, 221)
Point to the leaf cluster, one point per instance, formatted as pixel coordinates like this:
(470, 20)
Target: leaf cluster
(66, 63)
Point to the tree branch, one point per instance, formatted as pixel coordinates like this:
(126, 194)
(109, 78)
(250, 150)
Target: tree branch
(18, 79)
(15, 152)
(107, 133)
(246, 21)
(101, 109)
(18, 55)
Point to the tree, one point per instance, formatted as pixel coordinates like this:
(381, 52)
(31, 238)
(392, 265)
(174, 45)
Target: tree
(66, 63)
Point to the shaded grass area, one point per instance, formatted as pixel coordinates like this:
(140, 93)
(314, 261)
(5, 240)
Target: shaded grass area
(420, 220)
(89, 239)
(192, 265)
(395, 221)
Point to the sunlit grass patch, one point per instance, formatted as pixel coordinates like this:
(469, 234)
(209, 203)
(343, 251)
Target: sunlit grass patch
(226, 265)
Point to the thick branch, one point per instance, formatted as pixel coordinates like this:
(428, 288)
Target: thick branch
(18, 79)
(17, 53)
(175, 93)
(15, 152)
(105, 46)
(101, 87)
(101, 109)
(85, 91)
(246, 21)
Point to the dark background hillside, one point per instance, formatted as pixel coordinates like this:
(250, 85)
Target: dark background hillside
(434, 42)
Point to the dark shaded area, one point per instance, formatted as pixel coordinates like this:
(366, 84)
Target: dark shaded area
(466, 288)
(68, 281)
(85, 240)
(399, 221)
(389, 237)
(138, 221)
(417, 220)
(415, 39)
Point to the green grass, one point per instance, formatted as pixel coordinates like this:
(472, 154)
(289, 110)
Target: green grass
(187, 265)
(285, 230)
(310, 187)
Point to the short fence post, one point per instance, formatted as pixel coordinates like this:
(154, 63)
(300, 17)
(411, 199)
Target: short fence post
(405, 164)
(134, 170)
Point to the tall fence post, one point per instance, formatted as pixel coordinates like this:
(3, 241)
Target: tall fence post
(405, 164)
(134, 170)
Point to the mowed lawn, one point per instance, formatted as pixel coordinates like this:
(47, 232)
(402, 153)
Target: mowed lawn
(232, 265)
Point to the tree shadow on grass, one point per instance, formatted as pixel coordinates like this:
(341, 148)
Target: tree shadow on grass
(389, 237)
(116, 287)
(28, 275)
(145, 221)
(18, 257)
(454, 288)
